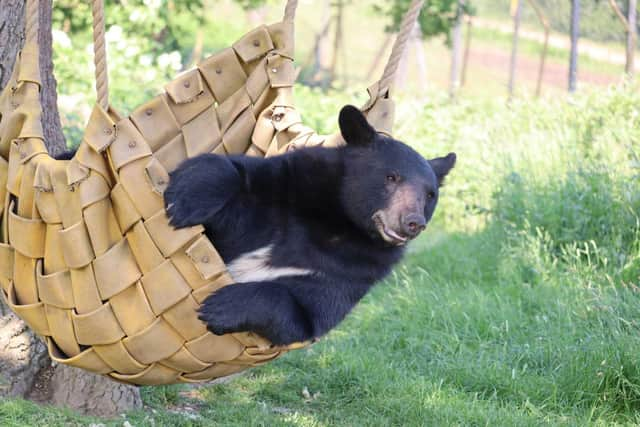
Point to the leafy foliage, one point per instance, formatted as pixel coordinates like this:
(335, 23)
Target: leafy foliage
(148, 43)
(437, 16)
(161, 22)
(250, 4)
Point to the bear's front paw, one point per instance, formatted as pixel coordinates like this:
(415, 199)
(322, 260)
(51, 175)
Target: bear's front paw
(199, 189)
(221, 315)
(178, 206)
(221, 324)
(265, 308)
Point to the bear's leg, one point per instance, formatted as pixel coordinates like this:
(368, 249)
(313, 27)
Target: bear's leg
(200, 188)
(266, 308)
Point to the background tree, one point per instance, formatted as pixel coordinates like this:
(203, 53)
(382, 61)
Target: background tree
(597, 21)
(320, 68)
(632, 36)
(317, 67)
(437, 18)
(152, 33)
(456, 43)
(542, 18)
(516, 12)
(629, 24)
(574, 34)
(25, 367)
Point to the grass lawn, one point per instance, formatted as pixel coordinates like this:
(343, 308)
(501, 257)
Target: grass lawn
(519, 306)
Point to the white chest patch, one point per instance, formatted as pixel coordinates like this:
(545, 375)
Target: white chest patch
(254, 267)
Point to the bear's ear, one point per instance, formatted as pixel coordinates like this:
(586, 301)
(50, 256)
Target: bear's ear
(354, 126)
(442, 166)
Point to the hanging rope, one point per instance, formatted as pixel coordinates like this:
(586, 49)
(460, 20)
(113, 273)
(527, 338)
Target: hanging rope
(399, 47)
(290, 10)
(100, 55)
(31, 23)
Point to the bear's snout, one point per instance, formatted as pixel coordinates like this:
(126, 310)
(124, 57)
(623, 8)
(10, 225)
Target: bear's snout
(413, 224)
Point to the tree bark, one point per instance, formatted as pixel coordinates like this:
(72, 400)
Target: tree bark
(338, 41)
(400, 82)
(545, 47)
(11, 35)
(631, 37)
(415, 43)
(630, 31)
(22, 354)
(421, 60)
(91, 394)
(377, 60)
(320, 58)
(456, 42)
(514, 47)
(25, 368)
(467, 50)
(573, 55)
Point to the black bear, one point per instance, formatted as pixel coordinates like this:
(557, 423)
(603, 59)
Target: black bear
(305, 234)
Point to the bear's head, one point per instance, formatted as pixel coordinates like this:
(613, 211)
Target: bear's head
(389, 190)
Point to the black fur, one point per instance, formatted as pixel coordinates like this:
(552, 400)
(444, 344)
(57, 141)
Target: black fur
(65, 155)
(314, 207)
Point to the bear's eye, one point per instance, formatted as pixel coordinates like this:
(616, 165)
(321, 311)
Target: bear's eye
(393, 177)
(431, 195)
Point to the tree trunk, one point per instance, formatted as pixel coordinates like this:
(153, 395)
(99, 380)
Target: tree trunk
(22, 354)
(53, 136)
(415, 43)
(338, 42)
(402, 74)
(421, 60)
(377, 60)
(631, 37)
(196, 52)
(467, 50)
(25, 368)
(543, 59)
(319, 60)
(454, 79)
(514, 47)
(545, 47)
(573, 56)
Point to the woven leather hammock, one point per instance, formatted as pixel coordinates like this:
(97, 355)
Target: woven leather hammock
(87, 257)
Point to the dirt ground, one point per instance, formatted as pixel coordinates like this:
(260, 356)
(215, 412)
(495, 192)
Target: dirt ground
(555, 74)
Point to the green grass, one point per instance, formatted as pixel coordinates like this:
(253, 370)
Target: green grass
(519, 306)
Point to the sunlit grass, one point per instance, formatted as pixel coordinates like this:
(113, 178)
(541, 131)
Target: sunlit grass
(518, 307)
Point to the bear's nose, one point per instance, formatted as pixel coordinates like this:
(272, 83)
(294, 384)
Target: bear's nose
(413, 224)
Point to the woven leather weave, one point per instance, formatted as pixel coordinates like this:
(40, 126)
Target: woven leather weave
(87, 257)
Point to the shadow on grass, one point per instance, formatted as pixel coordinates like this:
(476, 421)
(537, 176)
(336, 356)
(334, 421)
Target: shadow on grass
(517, 323)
